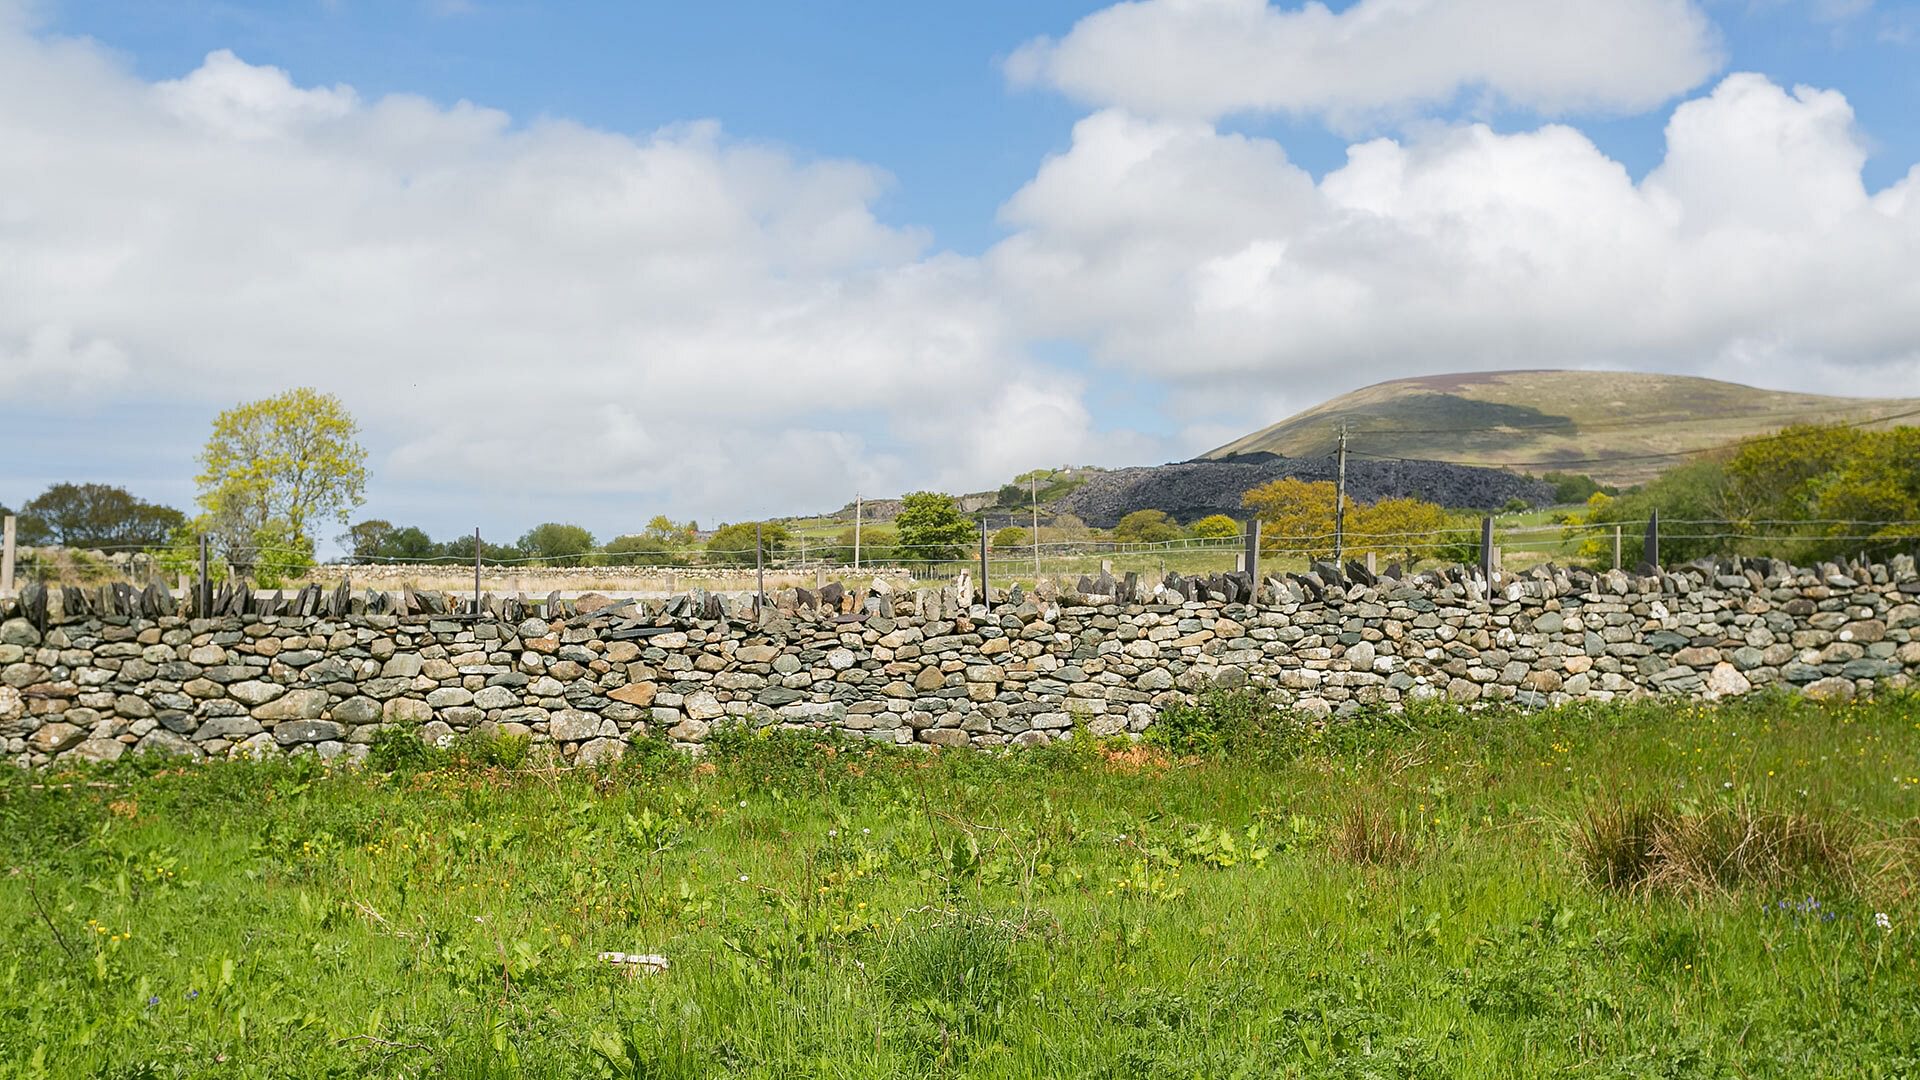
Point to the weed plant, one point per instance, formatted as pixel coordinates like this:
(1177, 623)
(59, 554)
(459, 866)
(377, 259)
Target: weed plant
(1654, 889)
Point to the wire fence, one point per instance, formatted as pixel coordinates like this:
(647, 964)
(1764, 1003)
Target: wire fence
(1495, 543)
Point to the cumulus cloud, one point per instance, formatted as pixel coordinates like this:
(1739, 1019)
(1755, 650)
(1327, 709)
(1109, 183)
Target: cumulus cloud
(1201, 59)
(671, 321)
(1753, 252)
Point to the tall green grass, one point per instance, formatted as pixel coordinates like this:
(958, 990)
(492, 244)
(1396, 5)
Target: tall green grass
(1656, 889)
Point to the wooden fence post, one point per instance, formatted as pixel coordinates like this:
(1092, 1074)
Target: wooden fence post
(1253, 553)
(6, 555)
(986, 596)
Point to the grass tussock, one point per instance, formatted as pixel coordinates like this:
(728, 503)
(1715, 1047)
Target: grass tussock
(1634, 847)
(1370, 837)
(1891, 861)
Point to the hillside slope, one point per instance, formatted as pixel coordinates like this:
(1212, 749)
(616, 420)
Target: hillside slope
(1619, 427)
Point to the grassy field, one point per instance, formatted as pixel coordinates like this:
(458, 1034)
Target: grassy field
(1655, 890)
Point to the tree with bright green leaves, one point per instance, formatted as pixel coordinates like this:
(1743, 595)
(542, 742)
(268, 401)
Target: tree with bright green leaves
(1013, 536)
(556, 544)
(1695, 491)
(1214, 527)
(95, 516)
(1807, 492)
(1879, 485)
(733, 545)
(931, 527)
(674, 534)
(638, 549)
(271, 471)
(877, 544)
(1147, 527)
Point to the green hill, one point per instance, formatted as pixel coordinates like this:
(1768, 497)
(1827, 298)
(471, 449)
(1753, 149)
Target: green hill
(1619, 427)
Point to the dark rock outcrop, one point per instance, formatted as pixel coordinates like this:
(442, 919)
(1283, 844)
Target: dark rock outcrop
(1189, 490)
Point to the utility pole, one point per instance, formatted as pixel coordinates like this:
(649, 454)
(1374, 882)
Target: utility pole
(476, 571)
(856, 530)
(1033, 496)
(1340, 502)
(759, 578)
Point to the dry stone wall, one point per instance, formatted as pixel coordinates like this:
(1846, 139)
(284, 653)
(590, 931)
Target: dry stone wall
(94, 680)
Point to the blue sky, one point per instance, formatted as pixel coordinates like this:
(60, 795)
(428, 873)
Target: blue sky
(745, 259)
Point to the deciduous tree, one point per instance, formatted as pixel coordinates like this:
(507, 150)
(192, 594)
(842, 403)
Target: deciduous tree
(363, 539)
(95, 516)
(275, 467)
(1295, 515)
(1407, 529)
(932, 527)
(733, 544)
(556, 544)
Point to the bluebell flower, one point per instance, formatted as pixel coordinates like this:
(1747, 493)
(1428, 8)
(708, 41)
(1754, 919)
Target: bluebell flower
(152, 1001)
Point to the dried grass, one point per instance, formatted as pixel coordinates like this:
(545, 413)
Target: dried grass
(1659, 848)
(1892, 862)
(1136, 757)
(1371, 837)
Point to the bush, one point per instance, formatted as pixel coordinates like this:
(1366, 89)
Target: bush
(637, 550)
(1146, 527)
(477, 751)
(1220, 722)
(1214, 527)
(398, 749)
(1573, 489)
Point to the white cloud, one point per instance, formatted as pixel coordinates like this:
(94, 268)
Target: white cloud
(1754, 252)
(1202, 59)
(47, 361)
(676, 321)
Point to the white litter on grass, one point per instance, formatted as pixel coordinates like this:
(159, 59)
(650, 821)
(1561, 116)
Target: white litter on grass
(637, 963)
